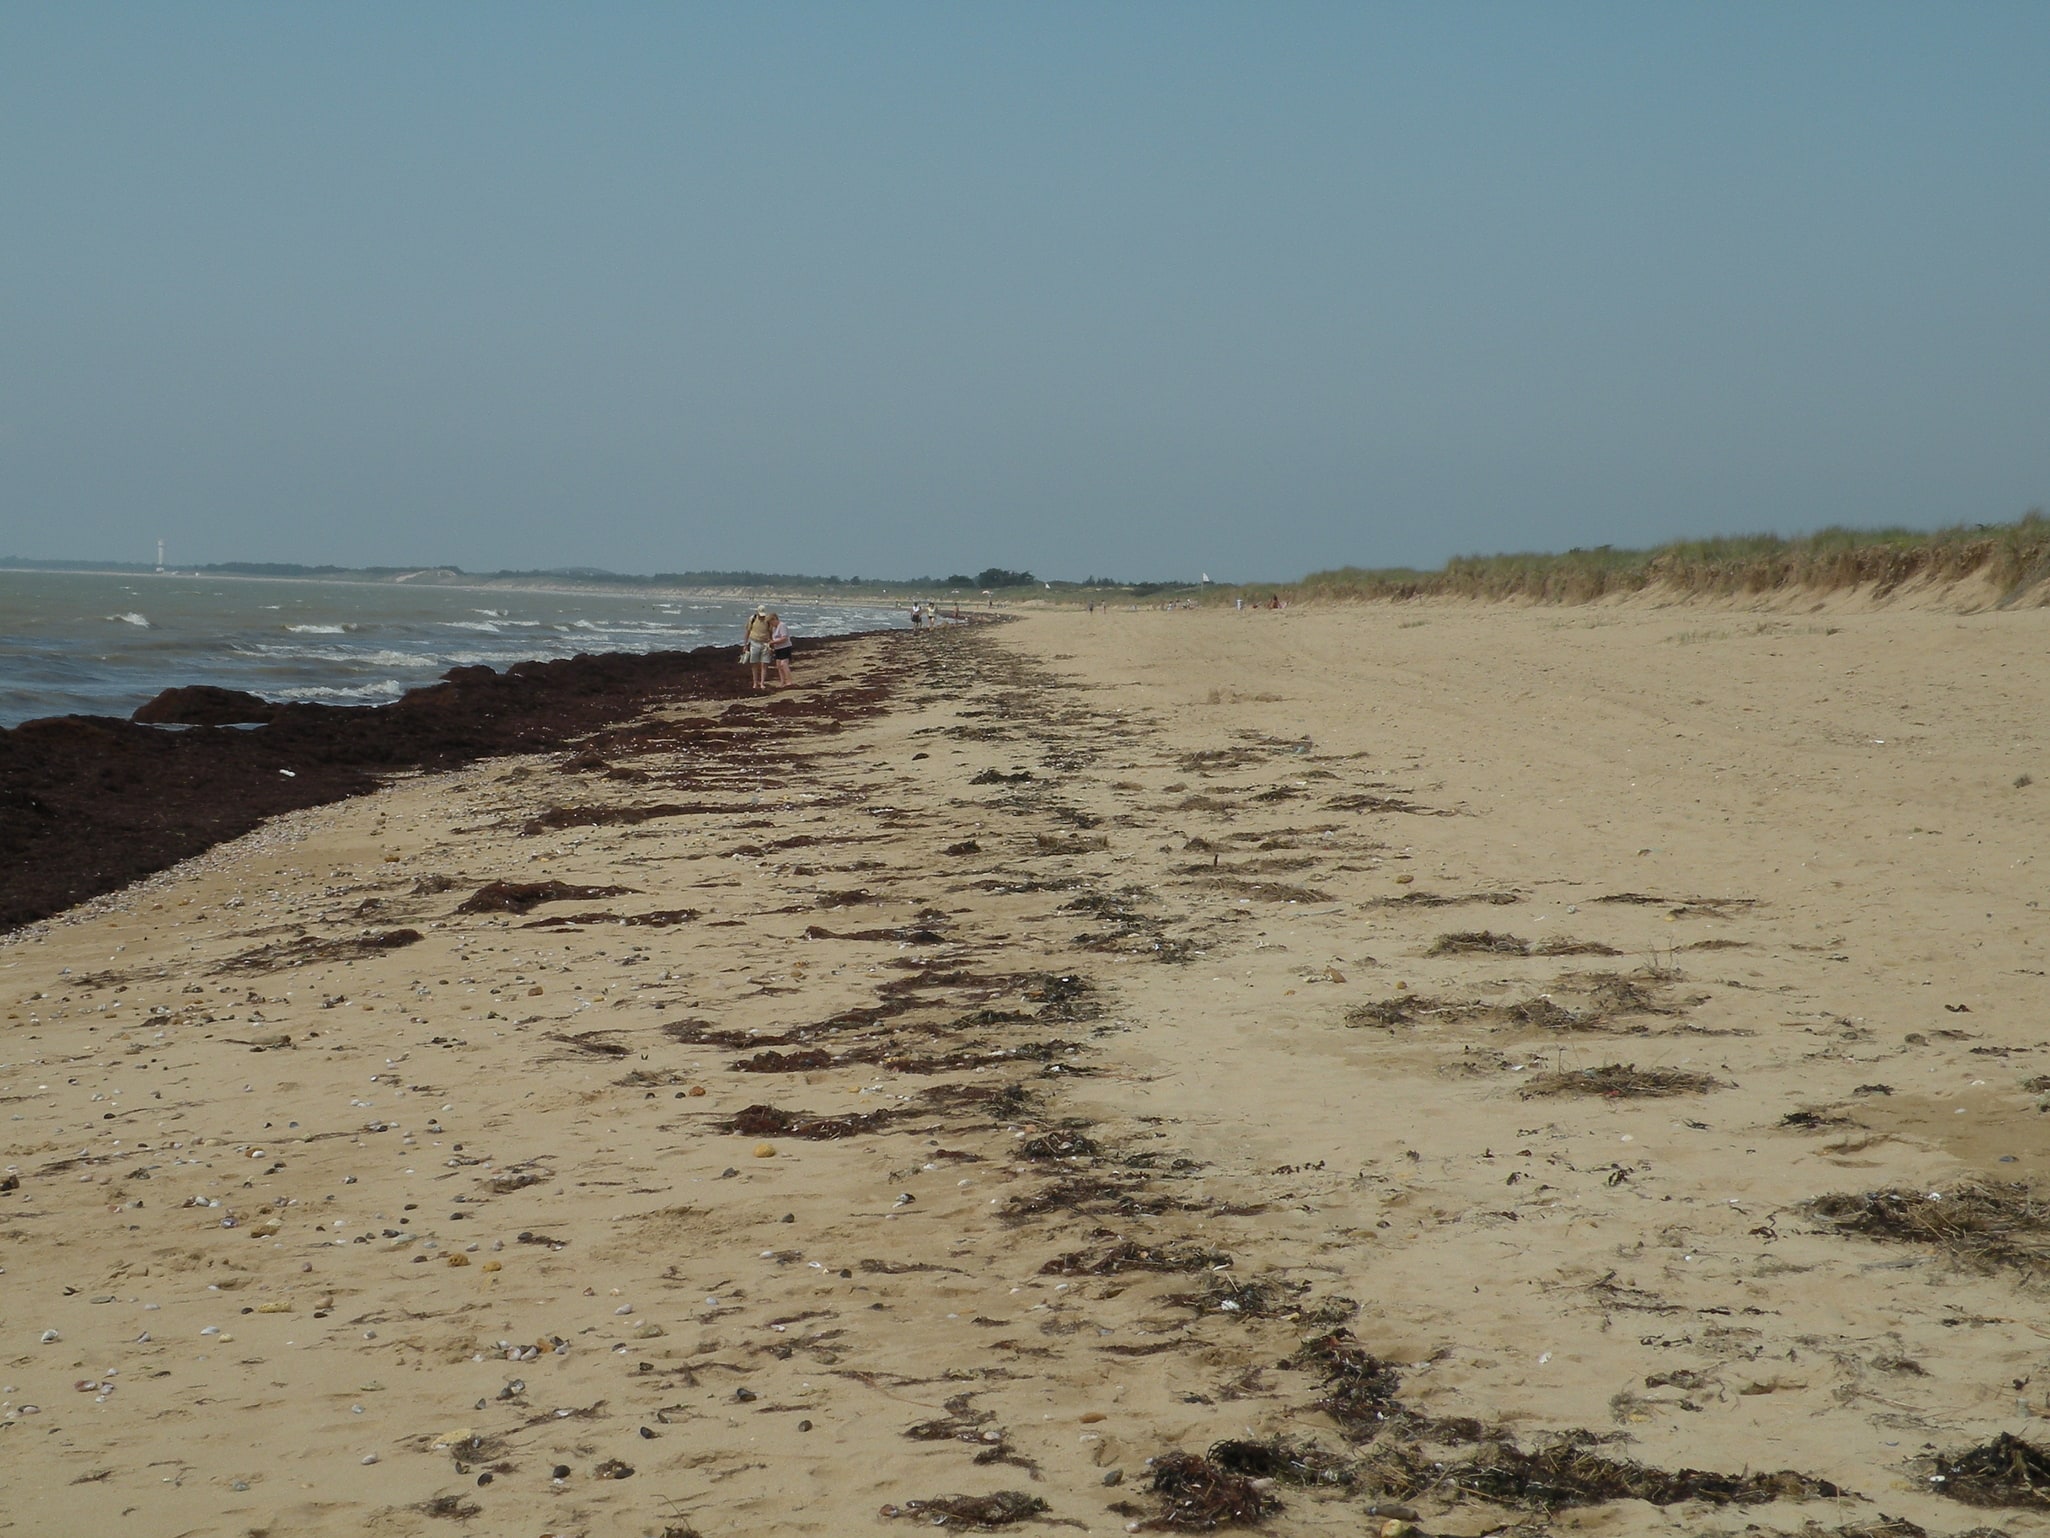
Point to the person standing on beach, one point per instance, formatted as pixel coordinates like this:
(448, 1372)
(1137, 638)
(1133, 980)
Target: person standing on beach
(780, 648)
(756, 652)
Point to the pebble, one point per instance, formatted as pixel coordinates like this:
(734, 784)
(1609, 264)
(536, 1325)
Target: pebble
(369, 1458)
(765, 1151)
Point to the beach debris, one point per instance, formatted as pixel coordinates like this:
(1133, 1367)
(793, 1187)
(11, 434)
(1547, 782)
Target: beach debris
(1059, 1145)
(451, 1507)
(1359, 1388)
(962, 1423)
(971, 1513)
(1685, 907)
(660, 919)
(1293, 1463)
(768, 1121)
(1466, 941)
(1199, 1495)
(309, 948)
(556, 818)
(1128, 1255)
(525, 896)
(1565, 1473)
(1439, 900)
(1985, 1225)
(2007, 1471)
(1617, 1081)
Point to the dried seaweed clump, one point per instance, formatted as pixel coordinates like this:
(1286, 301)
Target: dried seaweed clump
(1985, 1224)
(768, 1121)
(973, 1513)
(1059, 1144)
(1293, 1463)
(1198, 1495)
(1359, 1388)
(524, 896)
(1568, 1474)
(1621, 1081)
(1403, 1009)
(1176, 1255)
(1467, 941)
(2003, 1472)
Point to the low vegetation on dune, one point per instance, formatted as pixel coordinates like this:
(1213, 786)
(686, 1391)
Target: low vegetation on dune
(2013, 559)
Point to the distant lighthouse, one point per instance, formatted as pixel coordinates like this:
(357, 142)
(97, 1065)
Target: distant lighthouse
(160, 555)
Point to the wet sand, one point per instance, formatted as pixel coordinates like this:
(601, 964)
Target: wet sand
(1089, 1013)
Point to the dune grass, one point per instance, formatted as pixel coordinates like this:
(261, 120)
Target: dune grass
(2013, 559)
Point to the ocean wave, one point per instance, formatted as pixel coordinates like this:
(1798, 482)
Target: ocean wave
(130, 619)
(386, 689)
(383, 657)
(318, 629)
(470, 624)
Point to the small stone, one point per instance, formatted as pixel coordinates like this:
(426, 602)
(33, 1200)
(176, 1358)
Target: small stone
(695, 1091)
(456, 1259)
(369, 1458)
(1091, 1417)
(493, 1265)
(560, 1471)
(804, 1425)
(1114, 1477)
(765, 1151)
(744, 1395)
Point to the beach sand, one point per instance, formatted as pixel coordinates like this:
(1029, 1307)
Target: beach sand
(1125, 1000)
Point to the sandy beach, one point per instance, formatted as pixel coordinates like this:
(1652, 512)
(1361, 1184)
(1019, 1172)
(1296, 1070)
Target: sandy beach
(1446, 1053)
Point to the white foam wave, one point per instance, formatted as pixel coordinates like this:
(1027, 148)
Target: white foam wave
(388, 689)
(318, 629)
(131, 619)
(471, 624)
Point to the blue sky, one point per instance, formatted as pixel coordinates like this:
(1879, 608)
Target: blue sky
(1135, 289)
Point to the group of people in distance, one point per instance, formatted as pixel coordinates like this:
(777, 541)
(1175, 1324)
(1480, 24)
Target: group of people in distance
(768, 640)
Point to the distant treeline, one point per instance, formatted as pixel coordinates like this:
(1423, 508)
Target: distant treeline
(2011, 557)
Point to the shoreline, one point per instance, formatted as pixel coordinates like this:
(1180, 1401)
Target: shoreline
(1090, 1015)
(89, 803)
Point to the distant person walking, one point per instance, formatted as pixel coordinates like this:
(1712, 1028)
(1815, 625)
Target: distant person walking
(917, 616)
(780, 648)
(755, 654)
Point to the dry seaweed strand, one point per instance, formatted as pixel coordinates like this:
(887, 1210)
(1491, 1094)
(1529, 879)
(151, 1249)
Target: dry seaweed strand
(2006, 1471)
(1619, 1081)
(974, 1513)
(1198, 1495)
(1983, 1224)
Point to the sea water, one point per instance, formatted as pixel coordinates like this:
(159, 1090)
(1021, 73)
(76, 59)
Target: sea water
(94, 643)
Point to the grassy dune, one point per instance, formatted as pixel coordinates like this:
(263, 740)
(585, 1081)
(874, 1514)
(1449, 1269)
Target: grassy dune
(2013, 559)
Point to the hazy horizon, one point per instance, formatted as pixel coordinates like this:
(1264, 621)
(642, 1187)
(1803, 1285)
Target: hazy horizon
(1143, 291)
